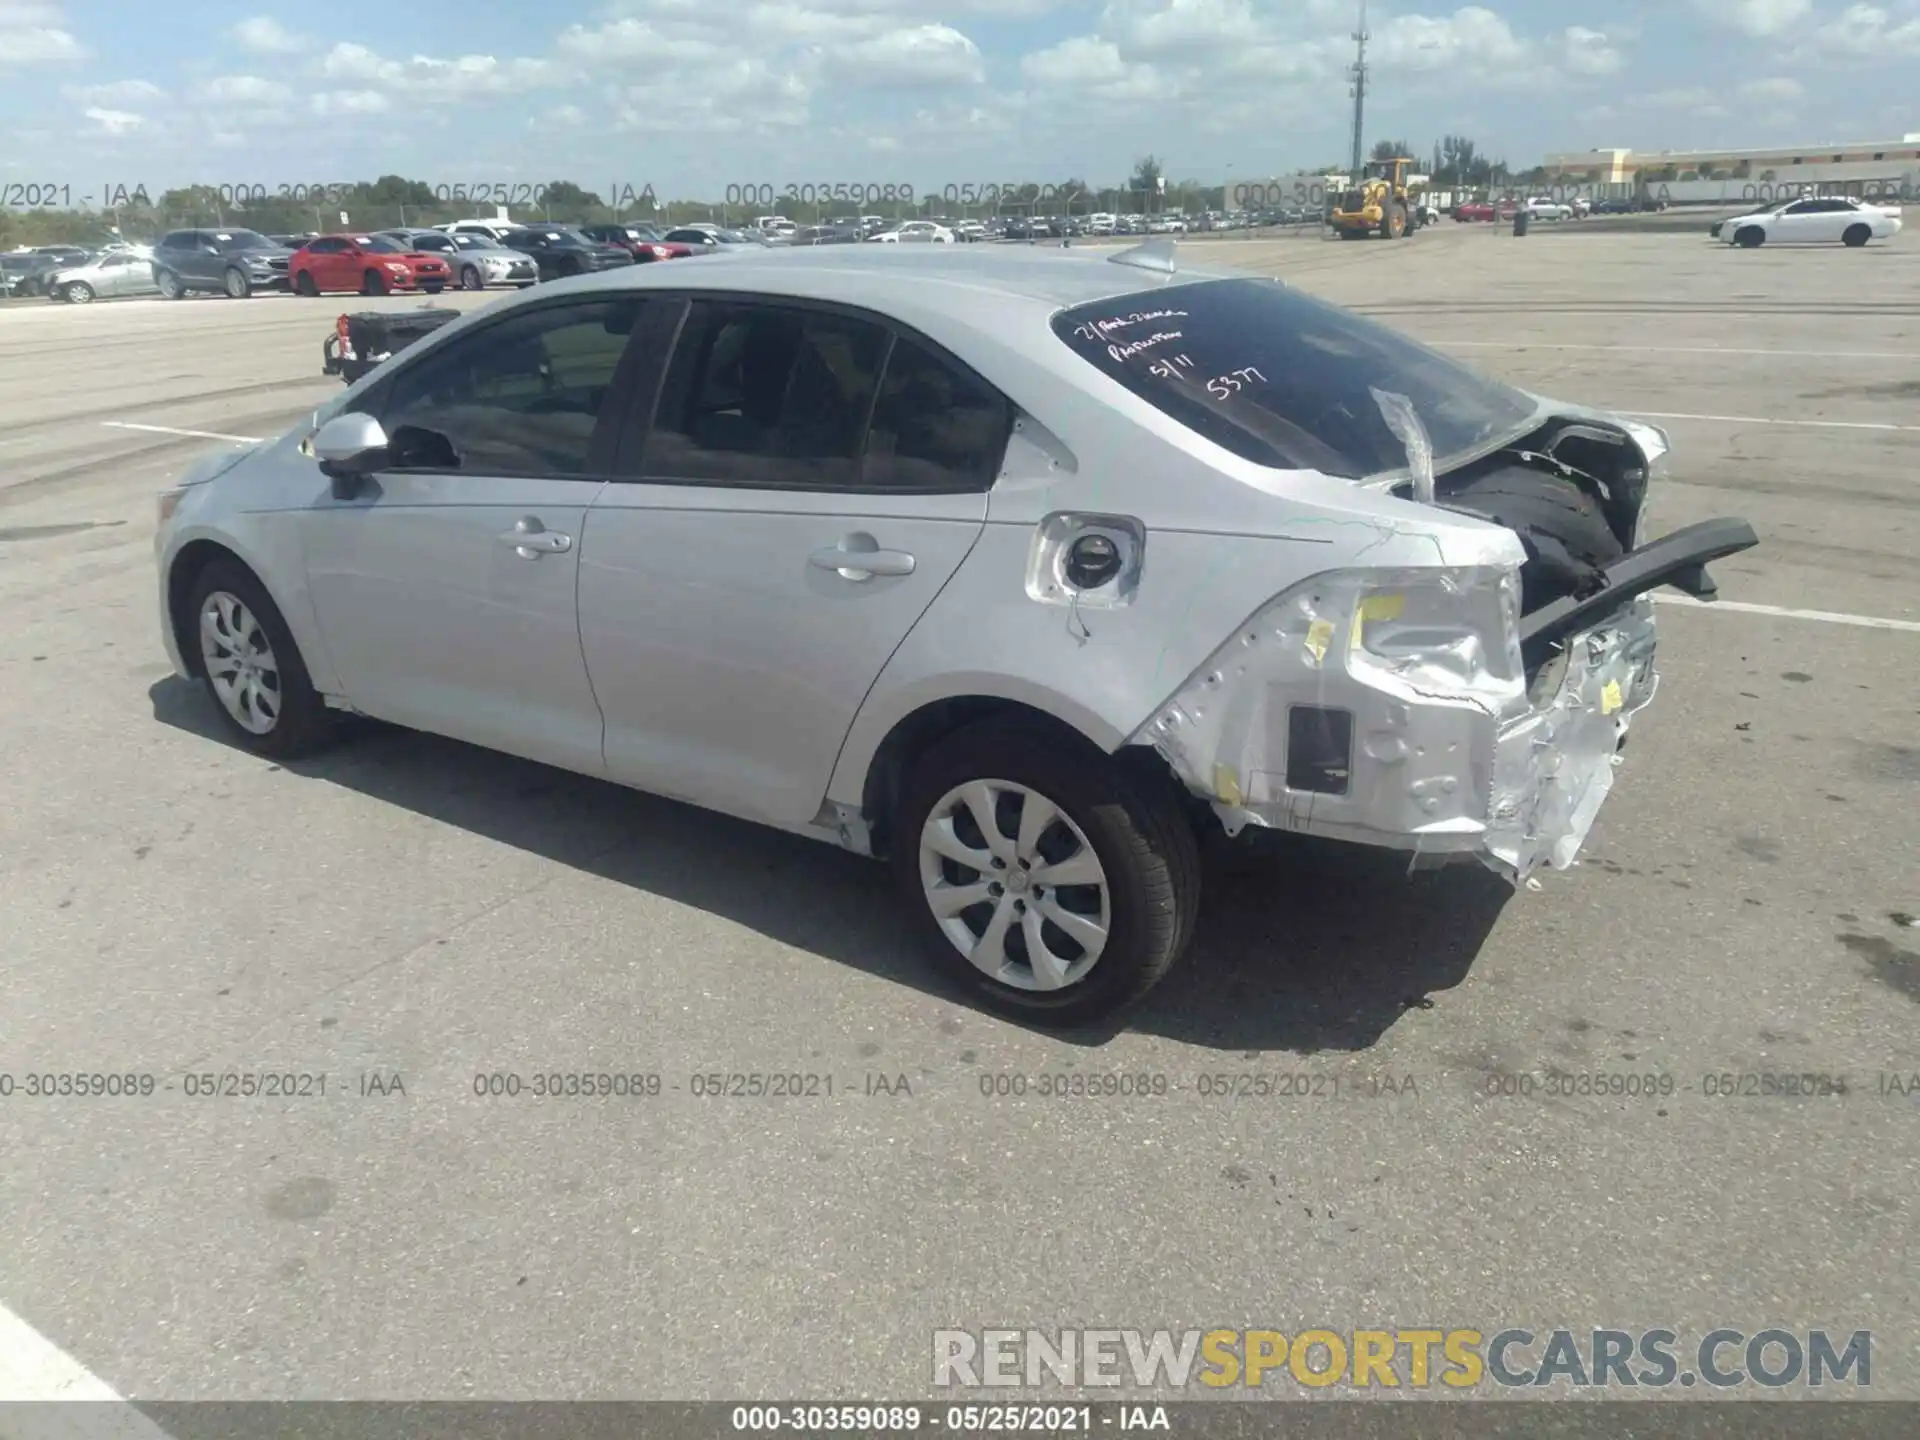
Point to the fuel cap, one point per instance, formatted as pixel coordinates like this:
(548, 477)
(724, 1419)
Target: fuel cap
(1092, 560)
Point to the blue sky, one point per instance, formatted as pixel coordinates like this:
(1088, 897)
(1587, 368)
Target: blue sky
(691, 95)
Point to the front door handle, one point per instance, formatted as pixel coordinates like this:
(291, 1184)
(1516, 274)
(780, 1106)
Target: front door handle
(859, 557)
(531, 539)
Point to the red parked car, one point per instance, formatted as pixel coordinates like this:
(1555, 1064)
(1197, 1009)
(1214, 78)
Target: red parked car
(1484, 210)
(643, 241)
(365, 265)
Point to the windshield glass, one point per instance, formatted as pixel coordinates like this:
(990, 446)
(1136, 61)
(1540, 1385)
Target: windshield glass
(379, 245)
(231, 240)
(1285, 380)
(474, 242)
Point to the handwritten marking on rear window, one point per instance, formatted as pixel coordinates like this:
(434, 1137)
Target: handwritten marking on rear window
(1133, 347)
(1234, 381)
(1100, 329)
(1170, 368)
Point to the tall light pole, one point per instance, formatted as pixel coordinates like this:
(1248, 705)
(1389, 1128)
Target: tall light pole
(1359, 74)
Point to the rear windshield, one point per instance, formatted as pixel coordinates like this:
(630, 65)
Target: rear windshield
(1285, 380)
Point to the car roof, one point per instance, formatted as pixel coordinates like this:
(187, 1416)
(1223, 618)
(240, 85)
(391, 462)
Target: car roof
(947, 283)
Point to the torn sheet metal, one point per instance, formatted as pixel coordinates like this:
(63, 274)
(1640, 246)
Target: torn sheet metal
(1449, 753)
(1404, 421)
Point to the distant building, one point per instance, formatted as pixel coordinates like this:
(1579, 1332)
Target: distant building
(1869, 160)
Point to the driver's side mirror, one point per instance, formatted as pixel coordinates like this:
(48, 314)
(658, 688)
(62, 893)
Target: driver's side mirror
(349, 448)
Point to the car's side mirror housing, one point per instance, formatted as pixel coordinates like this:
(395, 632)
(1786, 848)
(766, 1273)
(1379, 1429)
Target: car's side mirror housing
(349, 448)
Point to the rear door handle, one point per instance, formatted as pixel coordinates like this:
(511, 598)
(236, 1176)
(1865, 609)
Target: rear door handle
(531, 539)
(859, 557)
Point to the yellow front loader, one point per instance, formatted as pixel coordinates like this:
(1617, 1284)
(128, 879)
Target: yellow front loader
(1379, 204)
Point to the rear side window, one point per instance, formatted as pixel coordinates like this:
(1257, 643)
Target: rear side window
(1285, 380)
(766, 396)
(935, 426)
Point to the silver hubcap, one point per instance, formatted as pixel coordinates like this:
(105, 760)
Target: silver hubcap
(1015, 885)
(79, 294)
(240, 662)
(235, 284)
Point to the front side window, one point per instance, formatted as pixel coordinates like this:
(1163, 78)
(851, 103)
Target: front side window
(765, 395)
(1285, 380)
(520, 397)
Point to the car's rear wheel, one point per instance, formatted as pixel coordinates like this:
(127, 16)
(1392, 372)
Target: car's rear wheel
(170, 286)
(470, 279)
(1856, 236)
(238, 286)
(305, 284)
(374, 284)
(79, 293)
(1749, 237)
(251, 666)
(1057, 884)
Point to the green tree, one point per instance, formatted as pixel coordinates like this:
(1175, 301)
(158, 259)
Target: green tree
(566, 198)
(1146, 176)
(1391, 149)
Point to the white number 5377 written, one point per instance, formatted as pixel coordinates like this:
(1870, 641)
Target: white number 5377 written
(1234, 381)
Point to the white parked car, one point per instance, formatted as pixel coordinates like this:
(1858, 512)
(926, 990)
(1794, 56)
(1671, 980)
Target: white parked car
(914, 232)
(492, 229)
(1816, 220)
(1019, 569)
(1541, 208)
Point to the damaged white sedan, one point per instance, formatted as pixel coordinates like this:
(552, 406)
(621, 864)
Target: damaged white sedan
(1018, 570)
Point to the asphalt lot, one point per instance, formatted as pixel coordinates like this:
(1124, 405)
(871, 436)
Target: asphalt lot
(410, 906)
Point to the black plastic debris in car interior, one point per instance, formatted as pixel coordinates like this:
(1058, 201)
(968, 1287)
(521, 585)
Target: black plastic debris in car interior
(1319, 749)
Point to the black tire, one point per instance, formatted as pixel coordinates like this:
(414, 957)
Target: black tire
(1749, 237)
(433, 287)
(77, 293)
(170, 286)
(1133, 817)
(374, 284)
(1856, 236)
(1562, 526)
(470, 279)
(304, 723)
(305, 284)
(236, 284)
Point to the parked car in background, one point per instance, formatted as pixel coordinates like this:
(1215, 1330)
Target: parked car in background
(1540, 207)
(473, 261)
(818, 564)
(24, 274)
(644, 242)
(1814, 220)
(914, 232)
(107, 277)
(705, 239)
(366, 265)
(492, 229)
(825, 235)
(231, 262)
(1471, 211)
(559, 251)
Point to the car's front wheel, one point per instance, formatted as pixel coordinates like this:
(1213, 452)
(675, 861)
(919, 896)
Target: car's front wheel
(305, 284)
(470, 279)
(1056, 884)
(79, 293)
(1749, 237)
(170, 286)
(238, 286)
(251, 666)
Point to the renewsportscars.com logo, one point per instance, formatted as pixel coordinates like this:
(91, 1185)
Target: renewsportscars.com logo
(1413, 1359)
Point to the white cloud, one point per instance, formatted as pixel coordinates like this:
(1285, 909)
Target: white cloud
(1589, 52)
(263, 35)
(1474, 37)
(1779, 90)
(1868, 31)
(1696, 98)
(114, 122)
(636, 44)
(245, 90)
(34, 33)
(425, 78)
(919, 56)
(351, 102)
(116, 92)
(568, 115)
(1758, 19)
